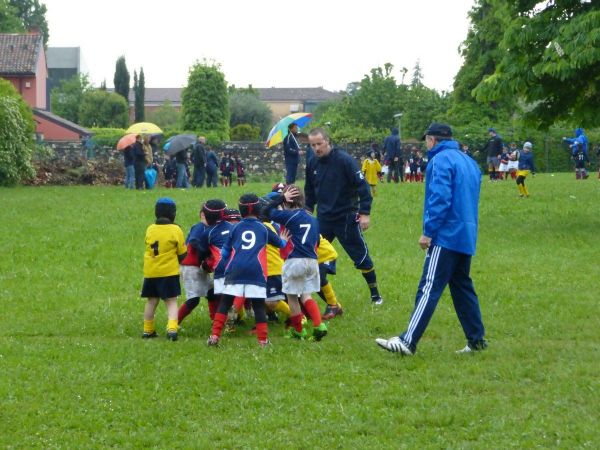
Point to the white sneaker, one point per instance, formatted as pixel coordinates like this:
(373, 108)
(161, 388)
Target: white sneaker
(394, 344)
(467, 349)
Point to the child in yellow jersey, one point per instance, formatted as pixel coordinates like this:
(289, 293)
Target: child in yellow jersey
(165, 248)
(372, 170)
(326, 257)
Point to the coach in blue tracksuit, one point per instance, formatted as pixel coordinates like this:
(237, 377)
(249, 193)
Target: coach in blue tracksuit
(450, 218)
(336, 184)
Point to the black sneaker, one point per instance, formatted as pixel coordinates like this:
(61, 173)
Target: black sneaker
(332, 311)
(272, 316)
(172, 335)
(149, 335)
(376, 300)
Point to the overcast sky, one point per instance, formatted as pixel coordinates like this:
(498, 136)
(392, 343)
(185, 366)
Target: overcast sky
(266, 43)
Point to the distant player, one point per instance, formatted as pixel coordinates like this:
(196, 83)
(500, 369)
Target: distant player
(240, 171)
(503, 168)
(244, 254)
(526, 166)
(371, 168)
(513, 160)
(165, 248)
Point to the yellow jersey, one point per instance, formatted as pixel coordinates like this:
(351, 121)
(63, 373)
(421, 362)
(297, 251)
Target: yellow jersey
(274, 259)
(163, 244)
(325, 252)
(371, 168)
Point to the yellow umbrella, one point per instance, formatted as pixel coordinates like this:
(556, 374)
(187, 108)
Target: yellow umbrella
(144, 128)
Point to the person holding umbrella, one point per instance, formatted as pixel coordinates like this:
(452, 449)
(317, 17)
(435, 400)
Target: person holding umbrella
(291, 153)
(139, 164)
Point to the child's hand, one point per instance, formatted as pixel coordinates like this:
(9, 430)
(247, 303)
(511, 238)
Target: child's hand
(285, 234)
(291, 194)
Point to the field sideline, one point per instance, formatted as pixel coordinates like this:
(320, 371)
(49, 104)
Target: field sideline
(74, 372)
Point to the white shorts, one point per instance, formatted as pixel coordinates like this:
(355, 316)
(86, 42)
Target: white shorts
(245, 290)
(219, 285)
(513, 165)
(196, 281)
(503, 167)
(300, 276)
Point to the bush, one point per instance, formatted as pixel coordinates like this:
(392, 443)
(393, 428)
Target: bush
(107, 136)
(245, 132)
(16, 136)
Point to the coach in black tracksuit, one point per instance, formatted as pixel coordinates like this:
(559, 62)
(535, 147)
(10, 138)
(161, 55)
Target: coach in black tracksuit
(336, 184)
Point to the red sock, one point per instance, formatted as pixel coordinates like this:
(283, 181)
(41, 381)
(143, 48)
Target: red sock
(238, 303)
(262, 331)
(183, 312)
(212, 308)
(296, 322)
(313, 311)
(218, 323)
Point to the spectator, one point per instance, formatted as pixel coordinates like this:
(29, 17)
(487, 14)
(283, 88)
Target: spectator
(291, 154)
(211, 168)
(199, 161)
(393, 156)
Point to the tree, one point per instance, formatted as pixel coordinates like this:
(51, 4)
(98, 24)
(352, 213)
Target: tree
(140, 96)
(9, 21)
(204, 101)
(417, 77)
(165, 116)
(17, 16)
(104, 110)
(481, 52)
(245, 132)
(66, 98)
(16, 136)
(246, 108)
(550, 57)
(121, 79)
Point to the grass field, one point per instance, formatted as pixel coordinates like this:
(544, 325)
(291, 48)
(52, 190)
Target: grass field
(74, 372)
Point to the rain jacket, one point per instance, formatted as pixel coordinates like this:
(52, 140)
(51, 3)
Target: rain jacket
(580, 139)
(452, 184)
(392, 147)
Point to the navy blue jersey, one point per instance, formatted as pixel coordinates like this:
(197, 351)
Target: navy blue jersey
(193, 258)
(304, 231)
(245, 252)
(208, 244)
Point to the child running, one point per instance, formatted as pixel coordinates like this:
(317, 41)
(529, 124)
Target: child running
(300, 276)
(244, 254)
(526, 167)
(165, 248)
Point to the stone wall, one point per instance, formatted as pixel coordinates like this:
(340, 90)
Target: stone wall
(75, 163)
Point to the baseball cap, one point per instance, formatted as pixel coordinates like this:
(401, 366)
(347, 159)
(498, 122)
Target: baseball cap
(438, 129)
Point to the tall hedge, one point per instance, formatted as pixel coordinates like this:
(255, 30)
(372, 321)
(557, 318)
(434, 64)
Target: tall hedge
(16, 136)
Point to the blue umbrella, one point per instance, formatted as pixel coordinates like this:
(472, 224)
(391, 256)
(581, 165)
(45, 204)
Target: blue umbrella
(179, 143)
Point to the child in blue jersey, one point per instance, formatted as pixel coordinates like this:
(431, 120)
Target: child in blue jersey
(245, 257)
(205, 244)
(300, 277)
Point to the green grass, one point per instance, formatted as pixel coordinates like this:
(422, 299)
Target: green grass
(74, 372)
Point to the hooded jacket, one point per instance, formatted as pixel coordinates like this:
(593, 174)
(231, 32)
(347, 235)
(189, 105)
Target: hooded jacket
(579, 139)
(391, 145)
(452, 184)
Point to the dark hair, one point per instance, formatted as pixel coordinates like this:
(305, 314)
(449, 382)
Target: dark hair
(232, 215)
(214, 211)
(248, 205)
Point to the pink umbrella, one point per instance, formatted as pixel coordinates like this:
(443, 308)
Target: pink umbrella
(126, 141)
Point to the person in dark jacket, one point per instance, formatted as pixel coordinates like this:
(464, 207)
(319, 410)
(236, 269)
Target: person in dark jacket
(182, 169)
(493, 150)
(211, 169)
(526, 166)
(291, 154)
(199, 161)
(226, 166)
(393, 156)
(450, 219)
(139, 162)
(336, 184)
(129, 161)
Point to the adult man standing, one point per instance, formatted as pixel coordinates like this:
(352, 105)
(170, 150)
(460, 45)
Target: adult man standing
(493, 150)
(291, 154)
(337, 185)
(199, 160)
(393, 156)
(182, 177)
(139, 164)
(450, 218)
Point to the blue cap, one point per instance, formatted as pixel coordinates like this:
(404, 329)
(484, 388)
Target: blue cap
(491, 130)
(165, 200)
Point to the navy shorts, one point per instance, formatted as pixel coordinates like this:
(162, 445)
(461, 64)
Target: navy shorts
(161, 287)
(348, 232)
(274, 292)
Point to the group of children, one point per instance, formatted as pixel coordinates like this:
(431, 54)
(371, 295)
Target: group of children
(414, 169)
(228, 165)
(269, 254)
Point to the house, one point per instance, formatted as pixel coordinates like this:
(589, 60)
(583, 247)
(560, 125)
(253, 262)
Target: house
(23, 63)
(282, 101)
(63, 64)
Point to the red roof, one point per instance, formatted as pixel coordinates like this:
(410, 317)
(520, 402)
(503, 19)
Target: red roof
(19, 53)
